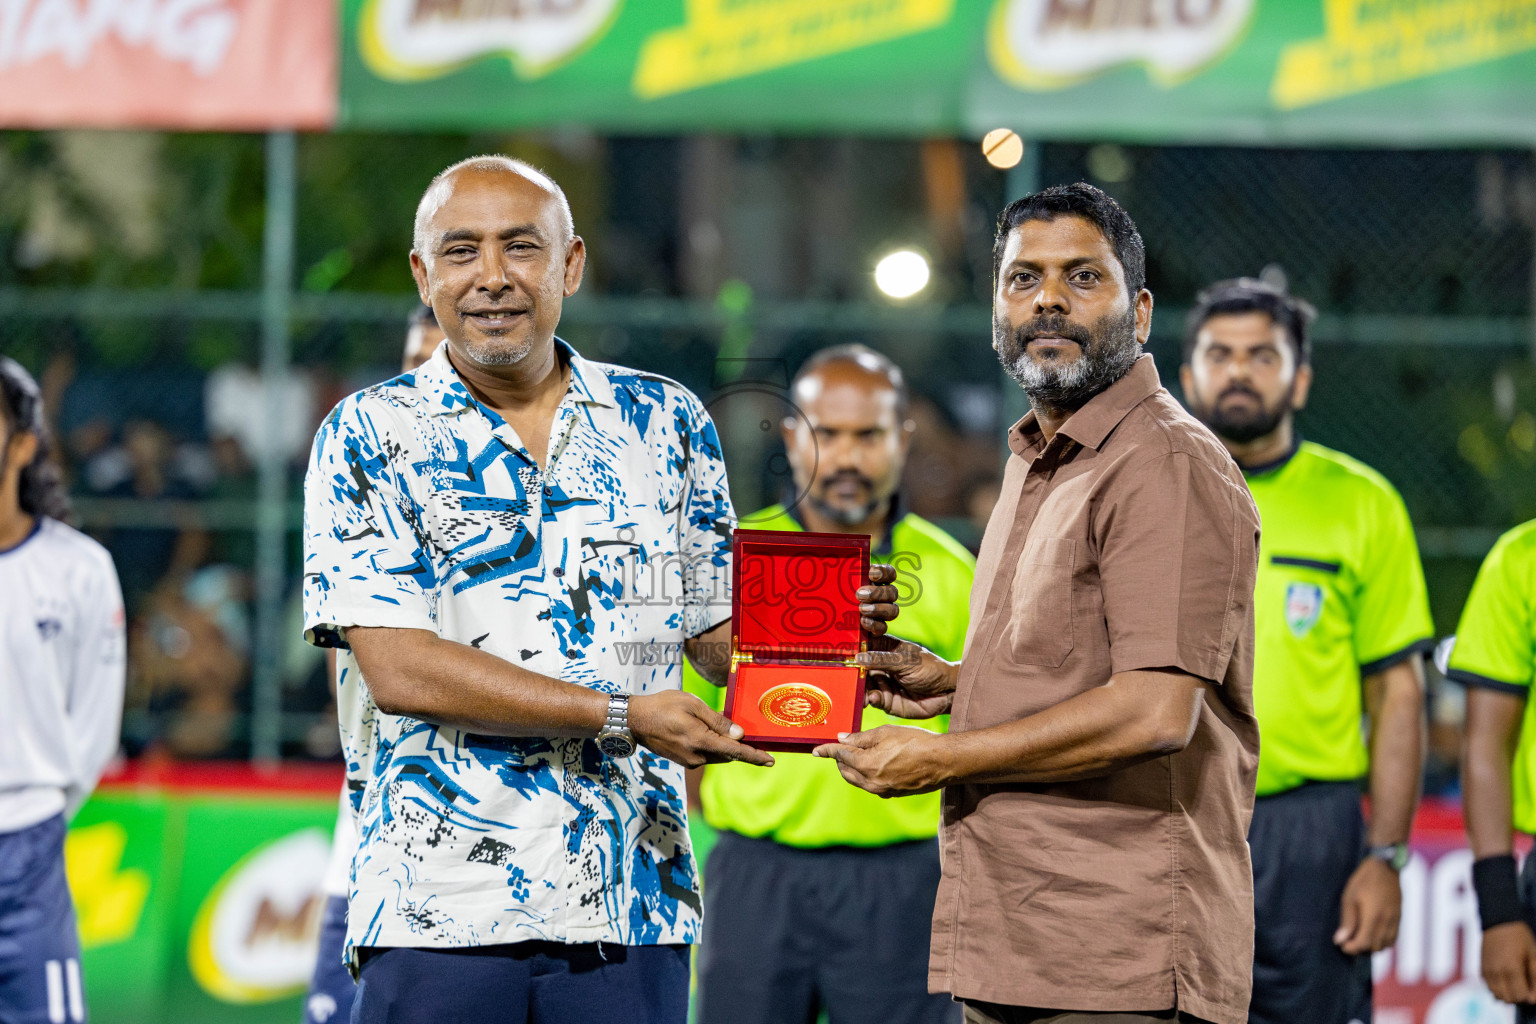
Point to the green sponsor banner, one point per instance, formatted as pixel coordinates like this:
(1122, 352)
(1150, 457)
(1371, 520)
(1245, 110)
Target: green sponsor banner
(1411, 72)
(198, 906)
(1443, 72)
(894, 66)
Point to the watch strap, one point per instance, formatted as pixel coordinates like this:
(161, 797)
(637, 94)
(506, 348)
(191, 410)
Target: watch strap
(1394, 855)
(618, 715)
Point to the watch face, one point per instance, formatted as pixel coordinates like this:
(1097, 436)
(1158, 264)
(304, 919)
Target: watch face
(616, 744)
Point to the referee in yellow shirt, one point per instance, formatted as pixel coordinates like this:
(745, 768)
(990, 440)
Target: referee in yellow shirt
(1341, 624)
(818, 897)
(1494, 657)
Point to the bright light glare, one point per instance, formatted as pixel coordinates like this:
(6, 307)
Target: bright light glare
(902, 274)
(1003, 148)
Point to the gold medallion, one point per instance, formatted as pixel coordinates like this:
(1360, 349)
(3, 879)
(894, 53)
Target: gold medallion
(795, 705)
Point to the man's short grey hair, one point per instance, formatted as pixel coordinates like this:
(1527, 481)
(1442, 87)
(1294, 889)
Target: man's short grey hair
(441, 188)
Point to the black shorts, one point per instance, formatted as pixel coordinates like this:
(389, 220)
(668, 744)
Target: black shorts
(1527, 1014)
(791, 932)
(1305, 843)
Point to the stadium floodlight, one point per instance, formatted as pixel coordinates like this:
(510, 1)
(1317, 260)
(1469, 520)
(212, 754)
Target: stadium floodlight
(902, 274)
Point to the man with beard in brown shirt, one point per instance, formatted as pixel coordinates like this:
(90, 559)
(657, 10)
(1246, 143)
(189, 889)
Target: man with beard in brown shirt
(1099, 773)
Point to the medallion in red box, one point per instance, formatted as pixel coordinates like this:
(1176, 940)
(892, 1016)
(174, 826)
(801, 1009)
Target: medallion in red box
(794, 682)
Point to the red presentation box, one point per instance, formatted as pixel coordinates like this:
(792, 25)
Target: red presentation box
(794, 681)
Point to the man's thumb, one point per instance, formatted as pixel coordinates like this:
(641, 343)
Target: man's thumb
(720, 724)
(1349, 921)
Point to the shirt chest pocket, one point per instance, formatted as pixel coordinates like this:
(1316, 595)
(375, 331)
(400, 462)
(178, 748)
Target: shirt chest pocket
(1041, 603)
(625, 550)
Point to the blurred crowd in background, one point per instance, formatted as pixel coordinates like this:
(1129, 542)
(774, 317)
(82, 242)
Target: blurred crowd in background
(707, 255)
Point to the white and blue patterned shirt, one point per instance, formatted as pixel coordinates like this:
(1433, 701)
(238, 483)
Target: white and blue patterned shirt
(422, 509)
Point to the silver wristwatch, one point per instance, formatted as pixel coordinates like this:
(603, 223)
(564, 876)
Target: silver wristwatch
(1394, 855)
(615, 739)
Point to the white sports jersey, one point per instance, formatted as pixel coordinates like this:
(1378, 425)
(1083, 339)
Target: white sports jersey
(62, 664)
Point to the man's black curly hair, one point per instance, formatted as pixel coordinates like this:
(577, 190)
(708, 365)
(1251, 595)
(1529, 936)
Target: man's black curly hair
(1078, 200)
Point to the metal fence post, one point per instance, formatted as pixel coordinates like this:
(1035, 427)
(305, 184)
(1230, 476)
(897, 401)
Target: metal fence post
(271, 495)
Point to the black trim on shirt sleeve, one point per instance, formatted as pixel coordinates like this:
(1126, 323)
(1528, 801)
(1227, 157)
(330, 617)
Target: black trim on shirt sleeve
(1475, 681)
(1381, 664)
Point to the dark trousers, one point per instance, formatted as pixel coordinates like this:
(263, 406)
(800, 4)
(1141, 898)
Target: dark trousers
(790, 932)
(1527, 1014)
(331, 988)
(1305, 843)
(39, 946)
(524, 983)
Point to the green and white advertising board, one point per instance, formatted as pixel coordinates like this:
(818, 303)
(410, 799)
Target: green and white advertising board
(1357, 72)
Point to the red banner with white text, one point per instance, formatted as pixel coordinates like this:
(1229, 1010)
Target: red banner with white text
(180, 64)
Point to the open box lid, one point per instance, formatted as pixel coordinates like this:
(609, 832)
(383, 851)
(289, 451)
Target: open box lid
(795, 594)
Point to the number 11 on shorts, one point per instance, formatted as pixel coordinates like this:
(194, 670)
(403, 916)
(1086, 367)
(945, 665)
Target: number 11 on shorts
(64, 987)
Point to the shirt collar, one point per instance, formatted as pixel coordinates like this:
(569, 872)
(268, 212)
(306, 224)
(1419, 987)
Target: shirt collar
(446, 394)
(588, 381)
(440, 385)
(1276, 464)
(1090, 425)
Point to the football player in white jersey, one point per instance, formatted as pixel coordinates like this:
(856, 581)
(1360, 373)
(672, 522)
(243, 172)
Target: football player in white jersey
(62, 665)
(331, 988)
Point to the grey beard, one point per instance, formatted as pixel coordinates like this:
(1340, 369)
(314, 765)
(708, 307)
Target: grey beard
(1104, 360)
(497, 355)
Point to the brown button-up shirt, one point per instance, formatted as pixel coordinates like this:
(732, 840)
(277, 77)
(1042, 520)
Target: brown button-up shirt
(1127, 542)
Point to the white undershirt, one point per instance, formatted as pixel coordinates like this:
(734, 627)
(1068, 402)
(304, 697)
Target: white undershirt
(62, 666)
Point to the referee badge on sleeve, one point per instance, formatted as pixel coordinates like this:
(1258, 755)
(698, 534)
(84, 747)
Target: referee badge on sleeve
(1303, 607)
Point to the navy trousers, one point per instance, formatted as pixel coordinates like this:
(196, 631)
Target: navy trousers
(331, 988)
(524, 983)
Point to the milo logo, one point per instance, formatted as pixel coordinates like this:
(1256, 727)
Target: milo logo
(415, 39)
(1049, 44)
